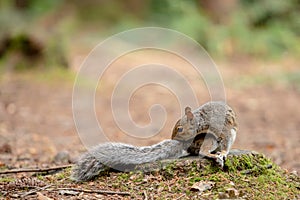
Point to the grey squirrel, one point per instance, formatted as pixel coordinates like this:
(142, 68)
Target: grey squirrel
(208, 131)
(213, 127)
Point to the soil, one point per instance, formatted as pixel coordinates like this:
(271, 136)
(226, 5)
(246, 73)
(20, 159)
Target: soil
(36, 113)
(36, 121)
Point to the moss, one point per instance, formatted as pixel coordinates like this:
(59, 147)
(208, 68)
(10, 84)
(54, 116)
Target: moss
(61, 176)
(168, 170)
(195, 179)
(40, 177)
(6, 179)
(124, 176)
(214, 178)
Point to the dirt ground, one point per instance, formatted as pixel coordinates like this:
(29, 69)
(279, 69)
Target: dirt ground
(36, 119)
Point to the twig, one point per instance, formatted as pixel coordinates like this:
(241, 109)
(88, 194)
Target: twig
(35, 190)
(35, 170)
(180, 196)
(146, 196)
(94, 191)
(255, 169)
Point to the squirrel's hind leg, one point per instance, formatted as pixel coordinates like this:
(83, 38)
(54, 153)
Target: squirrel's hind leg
(210, 145)
(225, 147)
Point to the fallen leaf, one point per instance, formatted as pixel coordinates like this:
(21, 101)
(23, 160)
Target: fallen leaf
(202, 186)
(2, 164)
(42, 197)
(232, 192)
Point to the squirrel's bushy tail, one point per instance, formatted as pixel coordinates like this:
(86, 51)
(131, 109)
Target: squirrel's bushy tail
(86, 168)
(123, 157)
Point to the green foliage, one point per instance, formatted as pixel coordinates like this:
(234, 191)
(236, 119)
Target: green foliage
(264, 29)
(258, 28)
(37, 7)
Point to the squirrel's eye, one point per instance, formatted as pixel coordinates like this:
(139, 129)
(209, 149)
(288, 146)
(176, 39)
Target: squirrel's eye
(179, 129)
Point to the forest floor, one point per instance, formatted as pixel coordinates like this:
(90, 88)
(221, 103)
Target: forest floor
(36, 122)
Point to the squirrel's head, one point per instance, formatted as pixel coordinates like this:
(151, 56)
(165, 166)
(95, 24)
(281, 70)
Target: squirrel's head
(185, 128)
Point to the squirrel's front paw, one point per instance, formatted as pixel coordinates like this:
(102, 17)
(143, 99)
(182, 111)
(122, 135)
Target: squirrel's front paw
(220, 158)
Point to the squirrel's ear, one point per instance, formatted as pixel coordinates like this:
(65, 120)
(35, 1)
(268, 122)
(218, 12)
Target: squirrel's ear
(188, 113)
(187, 109)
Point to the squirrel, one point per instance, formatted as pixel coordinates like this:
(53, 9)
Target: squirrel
(212, 128)
(208, 131)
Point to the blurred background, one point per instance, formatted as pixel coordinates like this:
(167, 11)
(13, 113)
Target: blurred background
(43, 43)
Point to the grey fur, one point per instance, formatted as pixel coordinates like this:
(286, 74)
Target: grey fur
(123, 157)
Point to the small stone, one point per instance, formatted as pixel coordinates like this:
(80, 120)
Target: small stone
(223, 195)
(294, 172)
(33, 151)
(5, 148)
(62, 157)
(11, 108)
